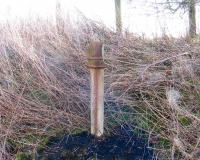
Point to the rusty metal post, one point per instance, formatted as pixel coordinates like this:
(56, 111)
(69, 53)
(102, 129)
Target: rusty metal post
(96, 66)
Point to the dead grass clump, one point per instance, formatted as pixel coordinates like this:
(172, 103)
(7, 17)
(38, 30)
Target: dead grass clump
(163, 87)
(42, 79)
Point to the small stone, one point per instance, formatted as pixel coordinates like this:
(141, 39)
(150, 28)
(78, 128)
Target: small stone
(173, 96)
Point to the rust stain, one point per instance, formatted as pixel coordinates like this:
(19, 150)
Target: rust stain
(95, 56)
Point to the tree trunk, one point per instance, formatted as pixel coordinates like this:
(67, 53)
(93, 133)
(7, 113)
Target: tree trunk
(59, 20)
(118, 15)
(192, 19)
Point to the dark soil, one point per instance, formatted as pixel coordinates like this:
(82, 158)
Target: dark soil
(122, 145)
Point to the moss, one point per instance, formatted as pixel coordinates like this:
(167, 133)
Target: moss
(143, 124)
(185, 94)
(127, 117)
(43, 143)
(24, 156)
(29, 140)
(165, 143)
(190, 81)
(137, 132)
(12, 145)
(77, 131)
(111, 122)
(197, 112)
(24, 144)
(197, 96)
(185, 121)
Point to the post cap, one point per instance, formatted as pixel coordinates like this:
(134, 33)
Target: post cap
(95, 55)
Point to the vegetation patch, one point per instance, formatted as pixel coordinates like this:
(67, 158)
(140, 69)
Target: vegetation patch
(151, 85)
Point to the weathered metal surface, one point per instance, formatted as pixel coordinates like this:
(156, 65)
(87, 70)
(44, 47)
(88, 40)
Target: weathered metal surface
(96, 66)
(97, 101)
(95, 55)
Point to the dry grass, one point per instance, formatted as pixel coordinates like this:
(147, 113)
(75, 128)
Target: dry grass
(44, 86)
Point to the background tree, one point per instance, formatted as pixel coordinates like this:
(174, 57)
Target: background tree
(59, 18)
(186, 5)
(118, 15)
(192, 18)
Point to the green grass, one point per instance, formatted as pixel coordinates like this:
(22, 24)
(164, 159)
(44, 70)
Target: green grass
(185, 121)
(197, 96)
(24, 156)
(165, 143)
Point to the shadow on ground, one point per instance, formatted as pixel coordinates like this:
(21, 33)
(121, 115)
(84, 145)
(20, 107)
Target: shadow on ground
(122, 145)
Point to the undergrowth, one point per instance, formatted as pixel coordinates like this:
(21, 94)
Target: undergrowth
(151, 85)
